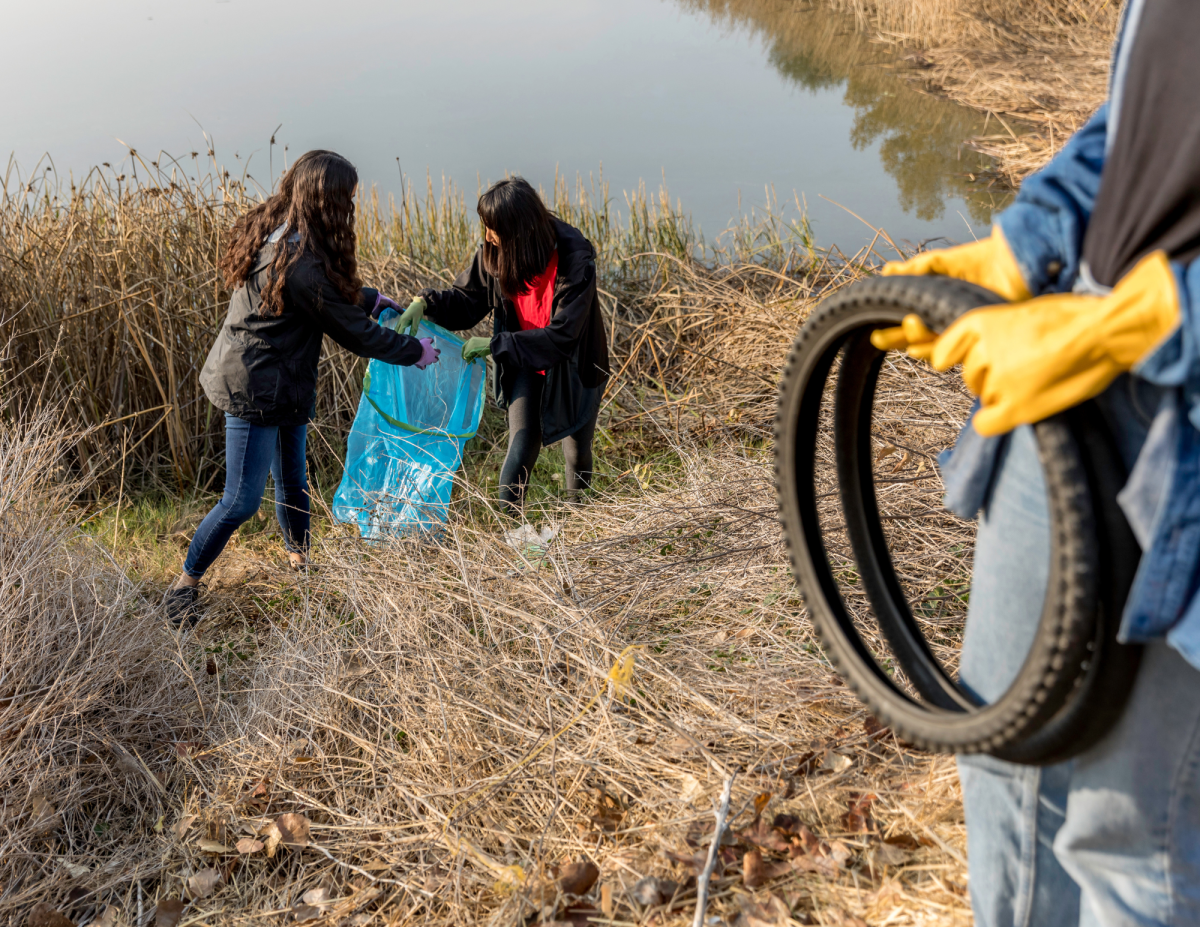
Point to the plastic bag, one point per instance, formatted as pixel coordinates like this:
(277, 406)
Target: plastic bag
(407, 439)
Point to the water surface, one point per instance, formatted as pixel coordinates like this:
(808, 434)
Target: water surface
(721, 99)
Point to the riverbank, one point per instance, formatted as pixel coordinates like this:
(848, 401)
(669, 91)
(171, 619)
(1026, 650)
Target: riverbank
(442, 730)
(1033, 71)
(1037, 68)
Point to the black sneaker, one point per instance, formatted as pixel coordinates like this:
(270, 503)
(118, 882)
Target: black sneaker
(182, 607)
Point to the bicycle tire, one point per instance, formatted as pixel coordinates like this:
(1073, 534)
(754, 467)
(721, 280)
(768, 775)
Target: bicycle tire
(1076, 676)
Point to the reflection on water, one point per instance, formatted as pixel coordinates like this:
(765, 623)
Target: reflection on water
(722, 99)
(920, 136)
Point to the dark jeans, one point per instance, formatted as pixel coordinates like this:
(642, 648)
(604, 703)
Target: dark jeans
(525, 443)
(251, 452)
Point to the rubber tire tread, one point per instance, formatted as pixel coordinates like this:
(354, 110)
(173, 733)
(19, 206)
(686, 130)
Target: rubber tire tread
(1032, 721)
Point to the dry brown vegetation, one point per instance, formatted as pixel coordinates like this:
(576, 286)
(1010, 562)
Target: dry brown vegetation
(449, 730)
(110, 300)
(1042, 63)
(1036, 70)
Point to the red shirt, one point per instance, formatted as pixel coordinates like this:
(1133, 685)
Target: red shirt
(535, 305)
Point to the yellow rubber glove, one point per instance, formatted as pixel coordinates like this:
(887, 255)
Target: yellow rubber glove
(1029, 361)
(911, 335)
(988, 263)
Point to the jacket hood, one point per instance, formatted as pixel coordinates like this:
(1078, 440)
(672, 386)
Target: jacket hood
(575, 253)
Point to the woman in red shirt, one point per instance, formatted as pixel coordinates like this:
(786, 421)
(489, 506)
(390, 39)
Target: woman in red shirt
(537, 276)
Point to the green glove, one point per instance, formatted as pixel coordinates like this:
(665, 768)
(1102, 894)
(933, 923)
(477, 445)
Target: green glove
(411, 317)
(476, 347)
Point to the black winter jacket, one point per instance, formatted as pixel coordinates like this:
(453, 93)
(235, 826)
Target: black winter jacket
(572, 349)
(264, 368)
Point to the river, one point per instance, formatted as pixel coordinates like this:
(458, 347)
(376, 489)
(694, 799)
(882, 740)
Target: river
(721, 100)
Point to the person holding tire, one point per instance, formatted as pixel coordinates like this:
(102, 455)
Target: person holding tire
(1097, 258)
(536, 275)
(291, 264)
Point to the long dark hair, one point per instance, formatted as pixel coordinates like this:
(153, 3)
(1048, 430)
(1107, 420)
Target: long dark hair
(512, 209)
(316, 200)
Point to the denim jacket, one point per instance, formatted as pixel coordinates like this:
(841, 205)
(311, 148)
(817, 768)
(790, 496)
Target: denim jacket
(1044, 228)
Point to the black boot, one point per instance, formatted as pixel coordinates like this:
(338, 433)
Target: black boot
(182, 607)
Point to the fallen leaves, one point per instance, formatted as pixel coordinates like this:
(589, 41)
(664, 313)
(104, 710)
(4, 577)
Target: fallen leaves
(293, 829)
(874, 728)
(204, 882)
(882, 855)
(773, 912)
(766, 836)
(560, 885)
(289, 829)
(790, 837)
(313, 904)
(214, 846)
(857, 819)
(181, 826)
(756, 872)
(578, 878)
(74, 870)
(46, 915)
(836, 762)
(258, 796)
(247, 845)
(168, 912)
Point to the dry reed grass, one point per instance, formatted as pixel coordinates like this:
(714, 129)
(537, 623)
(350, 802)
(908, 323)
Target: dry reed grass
(87, 699)
(443, 717)
(109, 299)
(1044, 64)
(435, 732)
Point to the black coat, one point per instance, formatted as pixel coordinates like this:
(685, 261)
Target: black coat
(264, 368)
(572, 349)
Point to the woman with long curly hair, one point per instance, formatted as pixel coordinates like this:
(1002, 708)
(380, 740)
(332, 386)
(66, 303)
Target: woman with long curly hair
(291, 263)
(536, 275)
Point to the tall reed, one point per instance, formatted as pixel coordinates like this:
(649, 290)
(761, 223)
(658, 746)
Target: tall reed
(110, 298)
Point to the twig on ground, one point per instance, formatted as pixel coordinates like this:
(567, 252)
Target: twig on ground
(714, 848)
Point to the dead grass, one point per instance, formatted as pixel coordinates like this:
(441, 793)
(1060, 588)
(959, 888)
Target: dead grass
(1042, 64)
(109, 299)
(442, 715)
(447, 731)
(1037, 70)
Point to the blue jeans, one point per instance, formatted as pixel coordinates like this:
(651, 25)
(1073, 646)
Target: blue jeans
(251, 452)
(1112, 837)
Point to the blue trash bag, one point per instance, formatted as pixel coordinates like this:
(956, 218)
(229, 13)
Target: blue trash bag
(407, 439)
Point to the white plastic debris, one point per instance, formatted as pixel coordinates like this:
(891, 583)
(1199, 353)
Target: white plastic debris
(529, 541)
